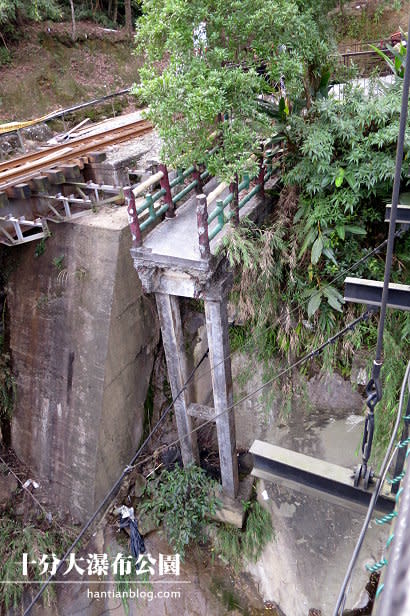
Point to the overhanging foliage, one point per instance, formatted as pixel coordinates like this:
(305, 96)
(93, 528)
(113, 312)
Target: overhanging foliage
(246, 48)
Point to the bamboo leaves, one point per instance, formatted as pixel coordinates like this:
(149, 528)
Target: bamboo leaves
(314, 303)
(317, 249)
(328, 292)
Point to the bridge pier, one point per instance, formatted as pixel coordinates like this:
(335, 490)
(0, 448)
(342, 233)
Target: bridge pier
(180, 257)
(211, 282)
(218, 341)
(173, 341)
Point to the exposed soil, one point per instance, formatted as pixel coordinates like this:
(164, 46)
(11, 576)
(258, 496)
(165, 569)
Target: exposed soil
(31, 509)
(49, 71)
(369, 20)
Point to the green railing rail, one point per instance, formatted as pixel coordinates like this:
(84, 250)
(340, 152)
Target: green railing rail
(219, 211)
(135, 212)
(150, 200)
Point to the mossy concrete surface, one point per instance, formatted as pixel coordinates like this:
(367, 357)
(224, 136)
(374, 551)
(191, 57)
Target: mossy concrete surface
(81, 336)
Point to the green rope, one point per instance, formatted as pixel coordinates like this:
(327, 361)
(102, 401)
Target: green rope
(389, 540)
(377, 566)
(386, 518)
(396, 479)
(379, 590)
(390, 516)
(398, 494)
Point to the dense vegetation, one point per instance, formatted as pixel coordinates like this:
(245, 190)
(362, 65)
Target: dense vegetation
(35, 537)
(221, 72)
(180, 500)
(110, 13)
(338, 162)
(184, 501)
(337, 165)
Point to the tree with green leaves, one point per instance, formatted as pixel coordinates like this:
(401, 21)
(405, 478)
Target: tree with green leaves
(189, 78)
(17, 10)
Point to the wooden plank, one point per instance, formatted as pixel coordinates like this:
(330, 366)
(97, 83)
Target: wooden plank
(55, 176)
(27, 167)
(71, 171)
(96, 157)
(65, 136)
(24, 168)
(79, 162)
(19, 191)
(40, 184)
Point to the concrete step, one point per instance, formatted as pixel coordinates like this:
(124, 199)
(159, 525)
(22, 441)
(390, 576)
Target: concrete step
(231, 510)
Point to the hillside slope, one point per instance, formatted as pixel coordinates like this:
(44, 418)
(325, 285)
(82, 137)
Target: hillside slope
(48, 71)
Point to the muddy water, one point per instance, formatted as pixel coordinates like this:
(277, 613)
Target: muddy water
(304, 566)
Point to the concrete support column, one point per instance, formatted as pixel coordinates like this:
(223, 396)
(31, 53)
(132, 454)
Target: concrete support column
(173, 341)
(218, 341)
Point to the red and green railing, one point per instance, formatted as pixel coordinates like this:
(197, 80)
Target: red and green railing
(135, 212)
(233, 200)
(222, 214)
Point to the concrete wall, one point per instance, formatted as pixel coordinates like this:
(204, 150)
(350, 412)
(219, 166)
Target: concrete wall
(82, 336)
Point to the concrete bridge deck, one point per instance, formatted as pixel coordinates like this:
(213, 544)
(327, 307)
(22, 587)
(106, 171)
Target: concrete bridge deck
(174, 242)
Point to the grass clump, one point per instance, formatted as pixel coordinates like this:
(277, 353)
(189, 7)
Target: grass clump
(124, 583)
(235, 546)
(35, 539)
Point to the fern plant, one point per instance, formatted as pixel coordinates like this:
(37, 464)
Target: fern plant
(34, 539)
(339, 171)
(342, 156)
(181, 499)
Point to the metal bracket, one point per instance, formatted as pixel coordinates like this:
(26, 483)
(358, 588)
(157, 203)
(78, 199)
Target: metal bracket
(62, 206)
(14, 231)
(402, 216)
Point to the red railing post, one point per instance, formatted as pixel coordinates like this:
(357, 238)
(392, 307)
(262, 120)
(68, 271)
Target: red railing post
(197, 176)
(133, 217)
(234, 205)
(202, 223)
(164, 183)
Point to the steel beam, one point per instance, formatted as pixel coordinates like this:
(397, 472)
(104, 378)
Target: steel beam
(12, 230)
(369, 292)
(314, 477)
(403, 214)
